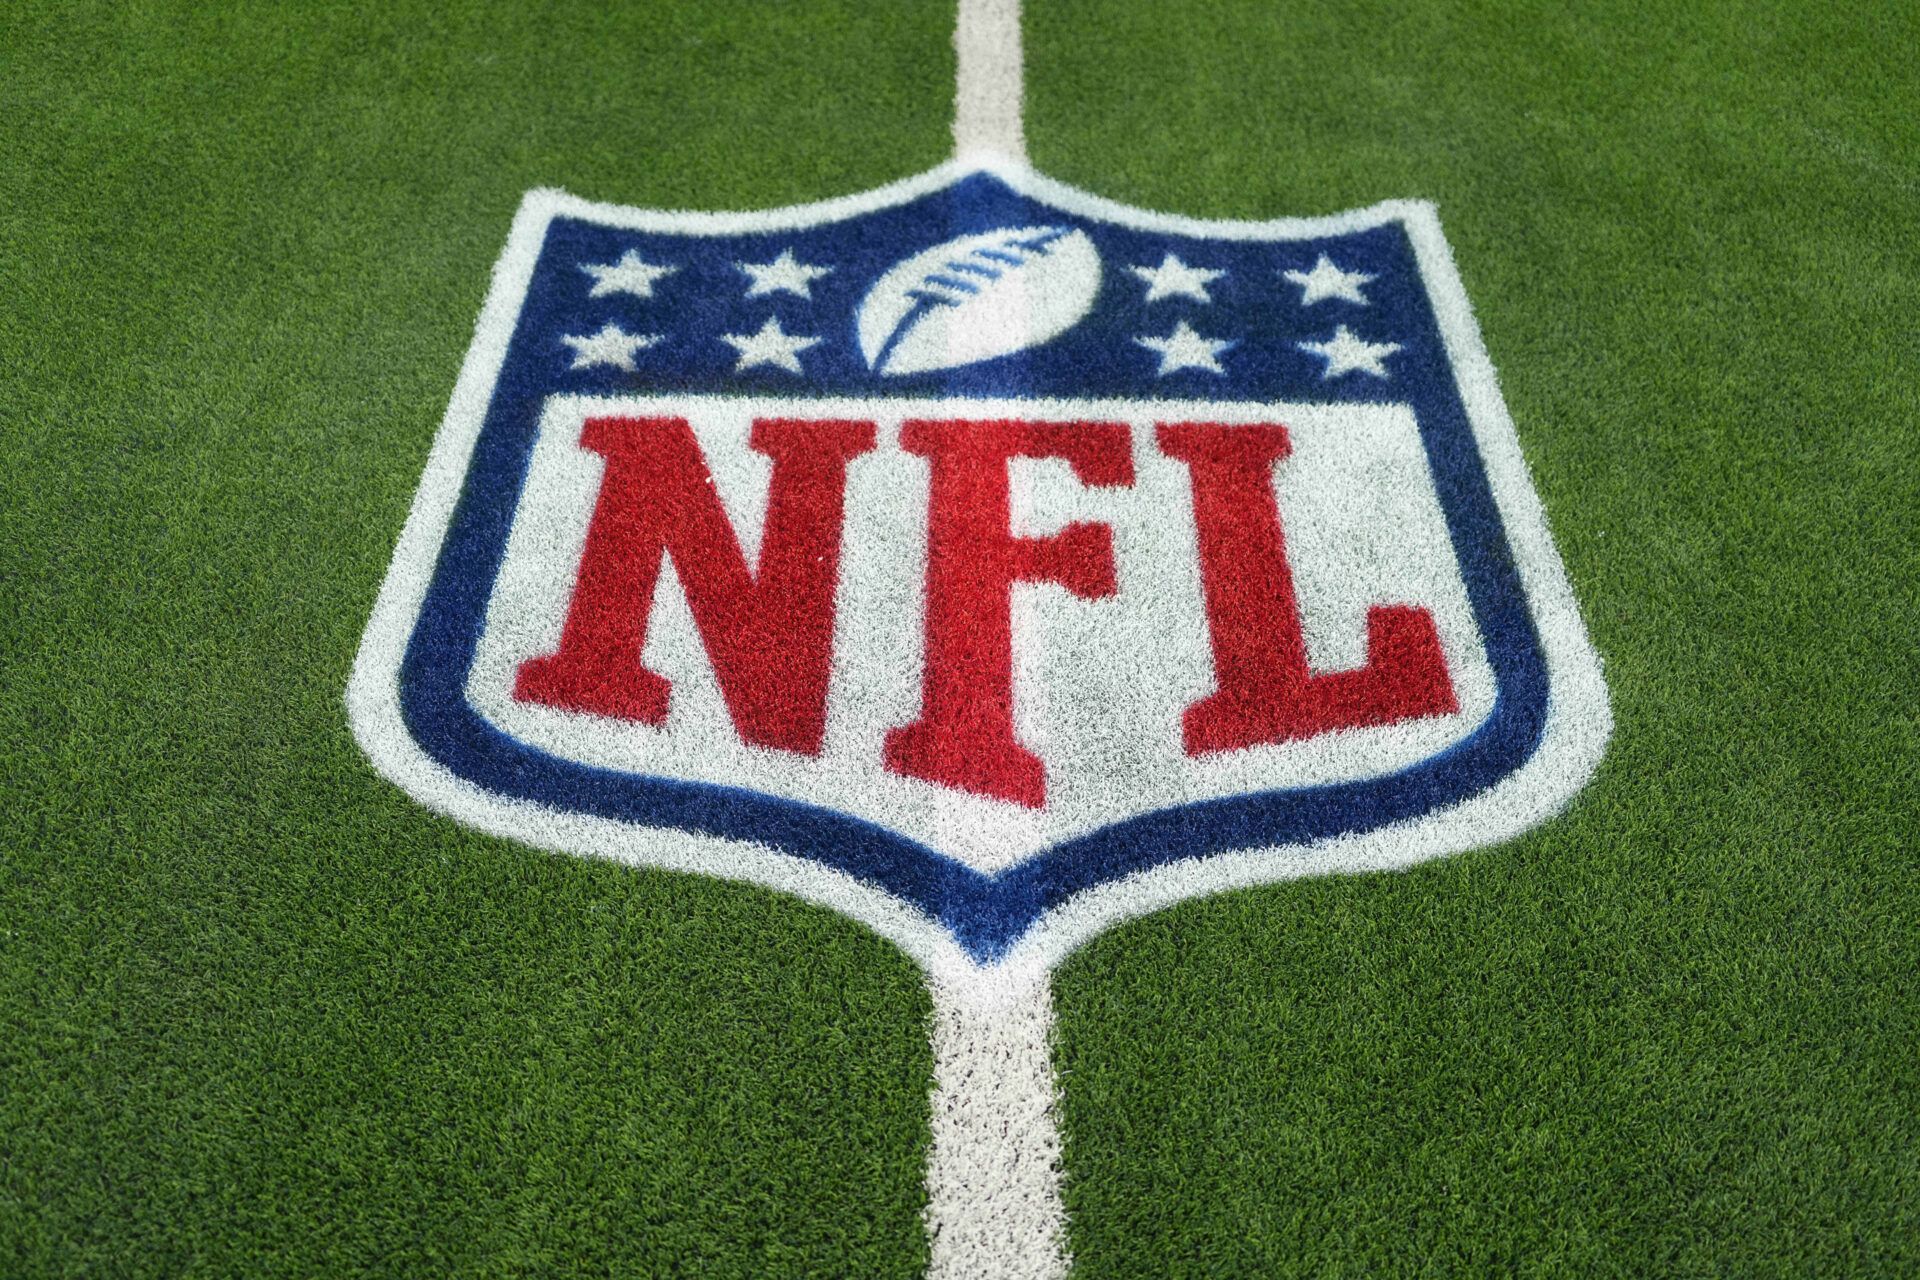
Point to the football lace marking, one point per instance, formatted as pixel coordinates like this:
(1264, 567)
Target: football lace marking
(978, 297)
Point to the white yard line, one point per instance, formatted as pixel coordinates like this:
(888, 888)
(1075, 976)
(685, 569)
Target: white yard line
(988, 96)
(994, 1210)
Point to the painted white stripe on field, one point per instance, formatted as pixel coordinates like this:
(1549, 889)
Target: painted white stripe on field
(987, 100)
(994, 1210)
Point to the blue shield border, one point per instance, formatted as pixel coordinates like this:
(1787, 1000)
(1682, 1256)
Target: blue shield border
(1525, 761)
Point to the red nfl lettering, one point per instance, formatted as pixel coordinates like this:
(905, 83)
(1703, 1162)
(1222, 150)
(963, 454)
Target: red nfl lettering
(1266, 693)
(964, 737)
(769, 634)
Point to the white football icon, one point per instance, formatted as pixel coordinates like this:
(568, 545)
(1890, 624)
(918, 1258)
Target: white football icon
(978, 297)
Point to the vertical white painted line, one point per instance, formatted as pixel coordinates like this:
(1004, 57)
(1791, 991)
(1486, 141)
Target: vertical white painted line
(987, 98)
(994, 1210)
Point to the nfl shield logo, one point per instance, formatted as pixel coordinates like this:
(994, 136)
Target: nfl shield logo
(980, 558)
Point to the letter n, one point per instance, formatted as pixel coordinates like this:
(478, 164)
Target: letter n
(768, 633)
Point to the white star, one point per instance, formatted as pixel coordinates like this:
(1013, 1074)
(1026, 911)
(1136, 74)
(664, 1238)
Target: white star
(783, 273)
(1174, 277)
(612, 345)
(1328, 281)
(1185, 349)
(1344, 353)
(632, 274)
(769, 346)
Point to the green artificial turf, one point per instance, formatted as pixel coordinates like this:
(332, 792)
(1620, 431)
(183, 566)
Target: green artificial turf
(260, 1015)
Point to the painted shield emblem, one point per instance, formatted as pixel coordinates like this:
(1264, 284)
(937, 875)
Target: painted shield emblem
(980, 558)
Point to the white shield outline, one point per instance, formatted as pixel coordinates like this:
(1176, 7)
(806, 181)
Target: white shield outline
(1574, 737)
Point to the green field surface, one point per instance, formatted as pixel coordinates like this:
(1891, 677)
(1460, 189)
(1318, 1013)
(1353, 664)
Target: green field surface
(261, 1015)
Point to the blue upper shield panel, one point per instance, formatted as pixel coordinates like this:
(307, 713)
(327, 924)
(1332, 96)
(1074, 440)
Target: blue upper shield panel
(689, 294)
